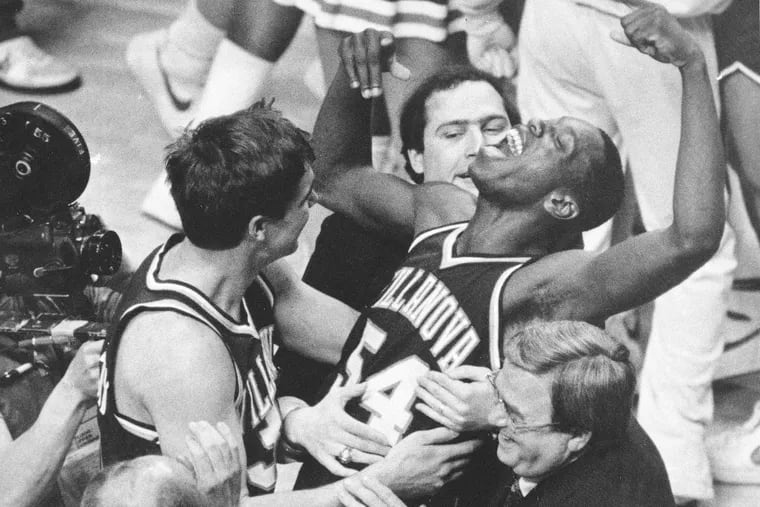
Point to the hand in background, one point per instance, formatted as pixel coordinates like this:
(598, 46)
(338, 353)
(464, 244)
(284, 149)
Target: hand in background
(365, 56)
(84, 370)
(215, 460)
(655, 32)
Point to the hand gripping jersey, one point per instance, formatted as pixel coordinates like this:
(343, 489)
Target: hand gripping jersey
(439, 311)
(251, 350)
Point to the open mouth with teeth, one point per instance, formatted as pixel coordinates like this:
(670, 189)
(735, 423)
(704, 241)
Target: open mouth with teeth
(514, 142)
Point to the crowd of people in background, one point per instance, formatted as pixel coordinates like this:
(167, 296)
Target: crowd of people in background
(503, 178)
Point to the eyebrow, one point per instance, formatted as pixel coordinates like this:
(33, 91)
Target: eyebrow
(462, 123)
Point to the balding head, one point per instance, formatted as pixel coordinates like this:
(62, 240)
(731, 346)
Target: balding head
(148, 481)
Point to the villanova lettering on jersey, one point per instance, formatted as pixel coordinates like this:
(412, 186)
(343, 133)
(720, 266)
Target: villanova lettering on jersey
(435, 313)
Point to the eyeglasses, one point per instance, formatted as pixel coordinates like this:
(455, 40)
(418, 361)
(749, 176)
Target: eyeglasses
(512, 427)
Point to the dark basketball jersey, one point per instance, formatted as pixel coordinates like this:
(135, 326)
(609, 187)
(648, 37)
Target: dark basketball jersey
(351, 264)
(251, 349)
(439, 311)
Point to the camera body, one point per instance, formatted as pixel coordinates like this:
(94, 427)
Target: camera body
(49, 246)
(56, 254)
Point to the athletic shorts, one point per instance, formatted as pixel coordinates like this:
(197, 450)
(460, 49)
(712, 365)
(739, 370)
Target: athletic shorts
(737, 39)
(419, 19)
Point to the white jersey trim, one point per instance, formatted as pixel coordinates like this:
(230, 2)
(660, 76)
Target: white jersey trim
(494, 318)
(153, 282)
(432, 232)
(448, 259)
(739, 67)
(136, 429)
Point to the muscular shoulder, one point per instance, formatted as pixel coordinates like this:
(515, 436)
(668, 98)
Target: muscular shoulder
(439, 204)
(160, 347)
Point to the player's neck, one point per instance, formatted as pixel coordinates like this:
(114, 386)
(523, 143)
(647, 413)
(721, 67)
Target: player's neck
(222, 275)
(518, 232)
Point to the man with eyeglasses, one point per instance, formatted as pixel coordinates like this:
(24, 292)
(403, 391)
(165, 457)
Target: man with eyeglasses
(566, 390)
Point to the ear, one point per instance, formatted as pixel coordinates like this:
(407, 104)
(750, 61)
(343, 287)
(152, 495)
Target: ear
(578, 442)
(416, 160)
(561, 205)
(256, 228)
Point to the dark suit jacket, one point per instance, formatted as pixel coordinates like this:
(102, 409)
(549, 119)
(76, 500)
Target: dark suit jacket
(625, 473)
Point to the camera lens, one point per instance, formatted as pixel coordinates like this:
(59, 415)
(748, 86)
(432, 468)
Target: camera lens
(101, 253)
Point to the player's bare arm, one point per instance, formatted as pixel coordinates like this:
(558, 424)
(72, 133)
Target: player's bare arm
(153, 385)
(645, 266)
(345, 179)
(160, 392)
(308, 321)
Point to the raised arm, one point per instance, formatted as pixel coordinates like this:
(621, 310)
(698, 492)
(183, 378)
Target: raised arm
(643, 267)
(345, 179)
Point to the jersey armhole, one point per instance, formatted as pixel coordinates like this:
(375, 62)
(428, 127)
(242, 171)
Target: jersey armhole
(494, 319)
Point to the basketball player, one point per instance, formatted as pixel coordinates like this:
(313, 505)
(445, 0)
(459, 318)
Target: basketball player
(193, 341)
(464, 283)
(353, 263)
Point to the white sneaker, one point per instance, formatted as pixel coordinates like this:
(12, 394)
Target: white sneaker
(143, 59)
(735, 453)
(24, 67)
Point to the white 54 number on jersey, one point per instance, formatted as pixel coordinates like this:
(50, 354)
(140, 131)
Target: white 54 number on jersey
(390, 393)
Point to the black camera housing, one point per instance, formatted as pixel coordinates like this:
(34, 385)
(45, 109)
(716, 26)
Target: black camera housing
(49, 245)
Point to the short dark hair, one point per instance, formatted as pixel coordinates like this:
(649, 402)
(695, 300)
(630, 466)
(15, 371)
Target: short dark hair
(126, 478)
(599, 187)
(592, 377)
(414, 113)
(232, 168)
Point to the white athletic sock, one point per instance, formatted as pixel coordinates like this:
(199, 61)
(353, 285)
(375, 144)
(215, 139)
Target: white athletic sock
(190, 46)
(234, 81)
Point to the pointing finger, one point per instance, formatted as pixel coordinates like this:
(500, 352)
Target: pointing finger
(374, 62)
(349, 63)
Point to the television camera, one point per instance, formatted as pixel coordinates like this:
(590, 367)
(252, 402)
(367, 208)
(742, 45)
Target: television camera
(50, 248)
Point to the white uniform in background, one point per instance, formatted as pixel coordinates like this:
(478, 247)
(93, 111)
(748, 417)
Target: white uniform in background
(569, 65)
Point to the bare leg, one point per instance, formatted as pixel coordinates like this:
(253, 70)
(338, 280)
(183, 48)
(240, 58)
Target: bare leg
(216, 12)
(263, 27)
(259, 32)
(741, 110)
